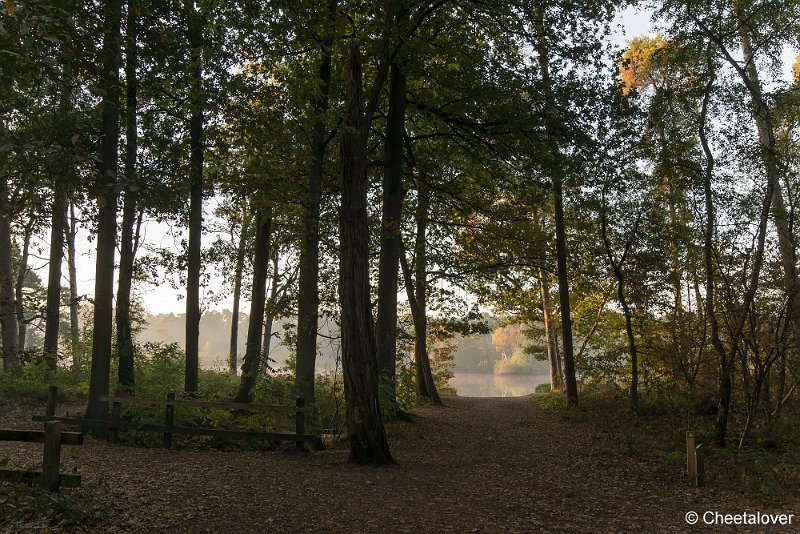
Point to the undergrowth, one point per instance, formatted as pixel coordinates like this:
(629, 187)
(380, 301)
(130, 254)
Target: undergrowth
(766, 466)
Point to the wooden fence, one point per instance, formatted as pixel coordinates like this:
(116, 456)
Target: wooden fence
(50, 478)
(115, 424)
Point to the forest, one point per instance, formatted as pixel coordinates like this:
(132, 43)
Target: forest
(383, 178)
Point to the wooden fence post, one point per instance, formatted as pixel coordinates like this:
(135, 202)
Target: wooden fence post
(700, 465)
(51, 463)
(300, 422)
(169, 420)
(691, 457)
(52, 399)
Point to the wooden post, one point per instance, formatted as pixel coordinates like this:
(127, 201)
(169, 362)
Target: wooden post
(701, 465)
(691, 457)
(300, 422)
(169, 420)
(51, 463)
(52, 400)
(116, 414)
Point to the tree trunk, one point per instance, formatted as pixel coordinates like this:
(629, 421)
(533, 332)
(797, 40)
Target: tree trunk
(552, 346)
(233, 353)
(22, 273)
(126, 375)
(390, 232)
(7, 316)
(107, 213)
(269, 314)
(558, 201)
(53, 305)
(71, 227)
(195, 35)
(368, 444)
(308, 282)
(252, 356)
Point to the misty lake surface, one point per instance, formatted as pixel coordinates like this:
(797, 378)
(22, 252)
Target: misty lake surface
(486, 385)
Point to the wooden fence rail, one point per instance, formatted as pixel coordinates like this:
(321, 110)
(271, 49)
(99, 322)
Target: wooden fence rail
(50, 478)
(115, 424)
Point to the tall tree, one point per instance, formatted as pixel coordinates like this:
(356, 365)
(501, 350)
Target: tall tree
(195, 66)
(107, 210)
(125, 347)
(308, 282)
(386, 326)
(252, 357)
(367, 436)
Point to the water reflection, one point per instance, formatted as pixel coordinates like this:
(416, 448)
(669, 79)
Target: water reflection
(486, 385)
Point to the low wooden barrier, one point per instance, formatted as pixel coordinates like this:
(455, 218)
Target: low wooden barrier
(50, 478)
(115, 424)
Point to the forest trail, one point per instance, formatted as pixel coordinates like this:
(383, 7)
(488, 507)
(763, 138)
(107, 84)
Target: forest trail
(476, 465)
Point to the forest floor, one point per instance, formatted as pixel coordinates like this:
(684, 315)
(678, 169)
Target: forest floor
(476, 465)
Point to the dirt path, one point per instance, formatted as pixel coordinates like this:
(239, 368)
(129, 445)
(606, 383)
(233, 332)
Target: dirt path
(478, 465)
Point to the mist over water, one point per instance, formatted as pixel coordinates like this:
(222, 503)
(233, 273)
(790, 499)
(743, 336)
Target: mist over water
(490, 385)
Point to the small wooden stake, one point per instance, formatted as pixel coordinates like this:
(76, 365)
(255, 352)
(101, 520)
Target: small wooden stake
(300, 423)
(691, 456)
(169, 420)
(700, 465)
(52, 400)
(51, 463)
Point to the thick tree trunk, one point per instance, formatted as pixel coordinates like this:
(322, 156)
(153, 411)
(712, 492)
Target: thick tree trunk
(195, 34)
(71, 227)
(107, 213)
(233, 353)
(8, 322)
(390, 231)
(308, 282)
(252, 356)
(126, 375)
(53, 304)
(368, 444)
(22, 273)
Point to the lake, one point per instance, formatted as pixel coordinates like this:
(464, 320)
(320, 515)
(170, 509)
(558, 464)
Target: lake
(486, 385)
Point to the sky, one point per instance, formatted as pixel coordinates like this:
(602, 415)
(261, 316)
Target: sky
(160, 297)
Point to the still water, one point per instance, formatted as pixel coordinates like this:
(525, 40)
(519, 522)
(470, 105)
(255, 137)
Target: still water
(486, 385)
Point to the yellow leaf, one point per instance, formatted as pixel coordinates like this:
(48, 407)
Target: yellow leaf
(11, 8)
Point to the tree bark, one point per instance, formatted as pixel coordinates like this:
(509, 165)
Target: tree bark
(195, 34)
(417, 292)
(53, 304)
(308, 277)
(71, 226)
(126, 375)
(269, 314)
(7, 312)
(390, 232)
(252, 356)
(233, 353)
(22, 273)
(107, 213)
(367, 436)
(556, 379)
